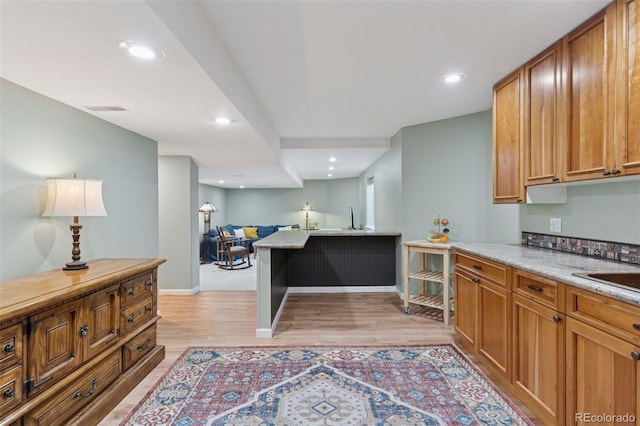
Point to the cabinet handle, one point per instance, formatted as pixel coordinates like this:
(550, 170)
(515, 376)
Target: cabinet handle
(636, 326)
(615, 172)
(130, 292)
(8, 348)
(535, 288)
(556, 318)
(555, 179)
(8, 393)
(635, 355)
(84, 330)
(606, 172)
(130, 319)
(88, 394)
(148, 309)
(475, 280)
(145, 346)
(477, 267)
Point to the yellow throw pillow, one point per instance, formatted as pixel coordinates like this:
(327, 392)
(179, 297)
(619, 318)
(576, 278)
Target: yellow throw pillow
(226, 233)
(250, 232)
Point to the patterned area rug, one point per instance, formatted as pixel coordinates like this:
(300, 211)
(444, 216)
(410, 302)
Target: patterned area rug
(407, 385)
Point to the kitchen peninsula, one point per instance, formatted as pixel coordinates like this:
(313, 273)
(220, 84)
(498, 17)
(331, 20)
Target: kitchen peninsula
(320, 261)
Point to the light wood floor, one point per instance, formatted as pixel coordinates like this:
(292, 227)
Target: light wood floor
(228, 318)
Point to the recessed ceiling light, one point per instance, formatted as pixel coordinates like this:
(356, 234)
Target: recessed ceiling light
(220, 181)
(241, 186)
(329, 175)
(331, 168)
(332, 159)
(452, 78)
(140, 50)
(223, 120)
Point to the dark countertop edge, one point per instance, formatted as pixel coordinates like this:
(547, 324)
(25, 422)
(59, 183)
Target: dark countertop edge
(557, 271)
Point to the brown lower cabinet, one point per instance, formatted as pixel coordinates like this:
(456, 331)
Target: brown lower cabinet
(74, 343)
(572, 356)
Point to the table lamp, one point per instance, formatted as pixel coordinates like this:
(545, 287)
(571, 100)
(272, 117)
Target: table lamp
(306, 208)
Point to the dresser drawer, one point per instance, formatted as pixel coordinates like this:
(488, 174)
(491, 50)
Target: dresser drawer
(483, 267)
(542, 290)
(138, 347)
(10, 389)
(135, 289)
(136, 315)
(11, 346)
(81, 392)
(611, 316)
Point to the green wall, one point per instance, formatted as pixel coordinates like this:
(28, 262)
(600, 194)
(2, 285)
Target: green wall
(601, 210)
(43, 138)
(447, 171)
(330, 200)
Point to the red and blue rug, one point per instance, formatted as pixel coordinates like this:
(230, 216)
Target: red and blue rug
(405, 385)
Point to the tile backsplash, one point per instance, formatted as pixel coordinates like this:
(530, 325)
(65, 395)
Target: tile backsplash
(622, 252)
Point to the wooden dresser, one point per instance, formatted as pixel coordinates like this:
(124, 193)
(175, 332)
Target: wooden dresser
(74, 343)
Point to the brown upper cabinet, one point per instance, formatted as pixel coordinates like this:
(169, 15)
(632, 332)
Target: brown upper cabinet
(627, 147)
(507, 136)
(542, 118)
(575, 114)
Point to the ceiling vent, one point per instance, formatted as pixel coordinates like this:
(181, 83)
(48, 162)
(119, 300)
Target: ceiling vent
(99, 108)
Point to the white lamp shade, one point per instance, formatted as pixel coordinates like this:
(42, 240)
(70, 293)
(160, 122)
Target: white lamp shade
(74, 197)
(207, 208)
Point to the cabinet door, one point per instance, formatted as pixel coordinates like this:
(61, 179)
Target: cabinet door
(541, 141)
(54, 345)
(101, 321)
(507, 136)
(602, 377)
(589, 63)
(466, 308)
(494, 325)
(628, 87)
(538, 358)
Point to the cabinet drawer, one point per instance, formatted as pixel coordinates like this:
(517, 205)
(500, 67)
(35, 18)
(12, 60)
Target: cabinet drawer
(138, 347)
(136, 315)
(10, 389)
(483, 267)
(11, 346)
(135, 289)
(542, 290)
(79, 393)
(611, 316)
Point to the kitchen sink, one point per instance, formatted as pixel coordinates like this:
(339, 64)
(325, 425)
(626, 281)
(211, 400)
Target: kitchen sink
(623, 279)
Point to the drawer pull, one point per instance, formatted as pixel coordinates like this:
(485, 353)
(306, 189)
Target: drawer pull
(8, 348)
(8, 393)
(477, 267)
(150, 283)
(535, 288)
(130, 319)
(84, 330)
(635, 355)
(475, 280)
(130, 292)
(148, 309)
(88, 394)
(142, 347)
(636, 326)
(556, 318)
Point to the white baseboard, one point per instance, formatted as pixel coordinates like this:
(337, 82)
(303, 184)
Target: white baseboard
(344, 289)
(179, 291)
(264, 332)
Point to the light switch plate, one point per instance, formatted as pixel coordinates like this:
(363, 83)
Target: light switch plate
(555, 224)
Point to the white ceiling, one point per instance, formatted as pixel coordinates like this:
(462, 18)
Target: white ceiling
(302, 80)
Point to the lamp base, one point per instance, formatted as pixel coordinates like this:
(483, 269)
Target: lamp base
(75, 265)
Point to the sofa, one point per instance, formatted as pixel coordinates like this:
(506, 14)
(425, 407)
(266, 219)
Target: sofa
(250, 233)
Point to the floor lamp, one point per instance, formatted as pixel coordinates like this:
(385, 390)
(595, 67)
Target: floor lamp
(207, 208)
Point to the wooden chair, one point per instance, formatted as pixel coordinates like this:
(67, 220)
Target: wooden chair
(230, 248)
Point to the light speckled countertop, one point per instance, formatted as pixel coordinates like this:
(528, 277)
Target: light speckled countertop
(557, 265)
(297, 239)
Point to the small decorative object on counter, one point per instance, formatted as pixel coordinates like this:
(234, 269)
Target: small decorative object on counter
(441, 235)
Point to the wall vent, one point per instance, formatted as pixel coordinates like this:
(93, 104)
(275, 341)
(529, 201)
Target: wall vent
(100, 108)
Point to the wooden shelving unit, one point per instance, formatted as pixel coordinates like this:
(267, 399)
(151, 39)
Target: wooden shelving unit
(424, 249)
